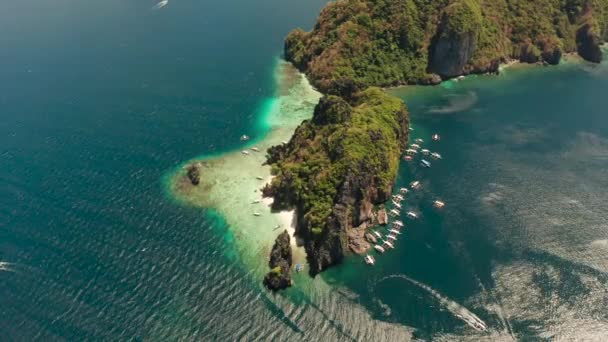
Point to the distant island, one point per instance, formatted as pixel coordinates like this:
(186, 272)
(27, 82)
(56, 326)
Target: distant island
(342, 163)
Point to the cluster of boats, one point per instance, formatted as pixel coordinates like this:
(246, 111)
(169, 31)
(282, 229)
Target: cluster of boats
(386, 242)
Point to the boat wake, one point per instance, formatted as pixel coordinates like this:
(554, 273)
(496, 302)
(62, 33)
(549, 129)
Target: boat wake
(453, 307)
(160, 5)
(5, 266)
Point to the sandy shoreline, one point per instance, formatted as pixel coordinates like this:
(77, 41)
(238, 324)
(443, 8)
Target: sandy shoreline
(231, 183)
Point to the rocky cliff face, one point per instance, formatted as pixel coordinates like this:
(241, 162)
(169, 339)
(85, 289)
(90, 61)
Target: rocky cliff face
(456, 39)
(589, 44)
(279, 276)
(337, 167)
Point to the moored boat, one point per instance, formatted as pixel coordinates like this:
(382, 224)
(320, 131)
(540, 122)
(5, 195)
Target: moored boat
(415, 185)
(425, 151)
(395, 212)
(398, 223)
(425, 163)
(410, 152)
(256, 214)
(370, 260)
(436, 155)
(244, 137)
(395, 231)
(379, 248)
(245, 152)
(407, 158)
(404, 190)
(389, 244)
(377, 235)
(415, 146)
(438, 204)
(436, 137)
(412, 215)
(397, 205)
(391, 237)
(419, 141)
(255, 149)
(371, 238)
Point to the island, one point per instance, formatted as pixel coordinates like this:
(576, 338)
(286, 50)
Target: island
(341, 165)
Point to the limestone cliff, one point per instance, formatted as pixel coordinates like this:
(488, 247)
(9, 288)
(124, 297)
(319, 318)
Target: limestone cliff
(337, 167)
(279, 276)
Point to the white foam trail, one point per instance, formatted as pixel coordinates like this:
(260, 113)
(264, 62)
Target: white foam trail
(4, 266)
(453, 307)
(160, 5)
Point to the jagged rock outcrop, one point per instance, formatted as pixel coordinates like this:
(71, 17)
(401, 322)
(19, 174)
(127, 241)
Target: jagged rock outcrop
(279, 276)
(194, 174)
(589, 44)
(334, 171)
(456, 40)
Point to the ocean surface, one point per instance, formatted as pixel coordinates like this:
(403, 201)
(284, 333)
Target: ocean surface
(101, 101)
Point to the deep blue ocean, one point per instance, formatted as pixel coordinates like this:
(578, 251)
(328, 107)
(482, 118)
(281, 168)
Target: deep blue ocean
(99, 100)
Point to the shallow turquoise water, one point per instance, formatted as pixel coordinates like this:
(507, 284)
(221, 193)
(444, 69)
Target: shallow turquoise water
(100, 100)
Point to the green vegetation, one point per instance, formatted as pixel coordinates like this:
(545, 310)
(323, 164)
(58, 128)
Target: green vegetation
(358, 143)
(389, 42)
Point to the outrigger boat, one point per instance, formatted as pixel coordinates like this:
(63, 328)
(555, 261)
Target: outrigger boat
(410, 151)
(397, 205)
(244, 137)
(425, 163)
(425, 152)
(379, 248)
(259, 178)
(255, 149)
(398, 197)
(389, 244)
(395, 212)
(436, 155)
(415, 185)
(395, 231)
(438, 204)
(378, 235)
(398, 223)
(436, 137)
(370, 260)
(407, 158)
(412, 215)
(256, 214)
(415, 146)
(419, 141)
(391, 237)
(245, 152)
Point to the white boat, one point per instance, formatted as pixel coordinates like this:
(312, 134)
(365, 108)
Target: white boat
(412, 215)
(407, 158)
(425, 163)
(436, 137)
(256, 202)
(370, 260)
(259, 178)
(391, 237)
(404, 190)
(459, 78)
(436, 155)
(415, 185)
(398, 223)
(419, 141)
(256, 214)
(394, 212)
(395, 231)
(244, 137)
(410, 151)
(378, 235)
(425, 152)
(284, 142)
(398, 198)
(415, 146)
(389, 244)
(379, 248)
(245, 152)
(255, 149)
(397, 205)
(438, 204)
